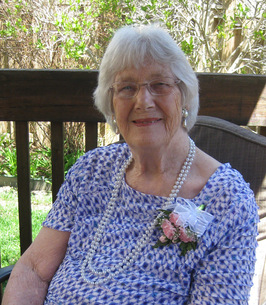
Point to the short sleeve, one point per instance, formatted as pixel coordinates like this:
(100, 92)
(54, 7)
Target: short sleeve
(61, 216)
(224, 275)
(95, 168)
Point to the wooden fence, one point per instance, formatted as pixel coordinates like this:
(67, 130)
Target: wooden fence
(60, 96)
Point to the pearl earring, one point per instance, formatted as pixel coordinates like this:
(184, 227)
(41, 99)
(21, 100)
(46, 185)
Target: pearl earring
(184, 116)
(115, 125)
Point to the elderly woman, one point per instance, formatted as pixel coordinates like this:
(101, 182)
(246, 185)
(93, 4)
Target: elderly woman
(154, 220)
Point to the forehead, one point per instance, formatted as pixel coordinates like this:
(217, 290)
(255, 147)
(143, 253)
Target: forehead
(144, 72)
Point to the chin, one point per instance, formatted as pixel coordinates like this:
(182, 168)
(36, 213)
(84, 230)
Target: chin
(147, 141)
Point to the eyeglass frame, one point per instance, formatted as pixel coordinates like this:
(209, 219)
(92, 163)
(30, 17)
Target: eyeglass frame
(147, 84)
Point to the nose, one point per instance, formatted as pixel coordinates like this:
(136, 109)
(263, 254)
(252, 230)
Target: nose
(144, 98)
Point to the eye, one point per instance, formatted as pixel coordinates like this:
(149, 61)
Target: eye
(126, 87)
(158, 84)
(159, 87)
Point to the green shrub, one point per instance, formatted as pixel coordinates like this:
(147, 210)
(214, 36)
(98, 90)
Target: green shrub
(40, 159)
(8, 157)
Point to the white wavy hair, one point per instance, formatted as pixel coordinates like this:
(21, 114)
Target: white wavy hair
(131, 46)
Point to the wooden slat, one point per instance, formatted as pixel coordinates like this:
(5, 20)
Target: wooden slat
(233, 97)
(57, 145)
(23, 174)
(66, 95)
(258, 117)
(262, 131)
(91, 135)
(48, 95)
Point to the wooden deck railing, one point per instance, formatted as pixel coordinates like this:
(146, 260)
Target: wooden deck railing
(60, 96)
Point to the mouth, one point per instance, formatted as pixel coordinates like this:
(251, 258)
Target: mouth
(146, 122)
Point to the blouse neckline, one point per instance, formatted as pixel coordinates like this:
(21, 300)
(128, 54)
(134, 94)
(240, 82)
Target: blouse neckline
(140, 194)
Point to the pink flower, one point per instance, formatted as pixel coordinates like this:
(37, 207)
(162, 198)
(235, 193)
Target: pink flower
(184, 236)
(175, 239)
(163, 239)
(168, 229)
(175, 219)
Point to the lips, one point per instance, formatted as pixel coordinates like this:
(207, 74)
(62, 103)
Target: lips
(146, 121)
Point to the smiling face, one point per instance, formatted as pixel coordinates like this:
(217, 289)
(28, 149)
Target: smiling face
(148, 120)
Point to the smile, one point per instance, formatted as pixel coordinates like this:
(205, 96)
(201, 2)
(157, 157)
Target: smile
(145, 122)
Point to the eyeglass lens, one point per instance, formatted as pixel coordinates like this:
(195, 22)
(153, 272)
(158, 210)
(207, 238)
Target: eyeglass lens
(131, 89)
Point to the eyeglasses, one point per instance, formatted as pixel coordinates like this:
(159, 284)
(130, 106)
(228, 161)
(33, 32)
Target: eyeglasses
(157, 87)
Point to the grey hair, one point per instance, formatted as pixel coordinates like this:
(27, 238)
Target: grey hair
(130, 47)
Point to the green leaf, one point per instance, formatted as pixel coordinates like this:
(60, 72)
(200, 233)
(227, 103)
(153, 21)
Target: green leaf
(160, 244)
(185, 247)
(187, 47)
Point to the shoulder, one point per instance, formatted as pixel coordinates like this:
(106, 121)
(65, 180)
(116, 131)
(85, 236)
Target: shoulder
(228, 197)
(228, 193)
(102, 156)
(229, 180)
(94, 168)
(97, 163)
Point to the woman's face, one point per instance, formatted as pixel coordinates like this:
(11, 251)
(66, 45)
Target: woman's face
(146, 119)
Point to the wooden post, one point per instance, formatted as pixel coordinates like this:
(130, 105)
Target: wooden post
(91, 135)
(23, 175)
(57, 144)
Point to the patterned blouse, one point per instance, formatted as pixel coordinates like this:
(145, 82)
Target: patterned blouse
(219, 271)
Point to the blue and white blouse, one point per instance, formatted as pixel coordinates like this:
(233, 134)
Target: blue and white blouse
(219, 271)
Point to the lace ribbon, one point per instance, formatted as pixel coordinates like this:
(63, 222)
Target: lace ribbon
(191, 216)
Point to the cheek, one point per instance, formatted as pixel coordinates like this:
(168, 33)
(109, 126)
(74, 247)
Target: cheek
(117, 109)
(114, 105)
(121, 111)
(178, 100)
(174, 112)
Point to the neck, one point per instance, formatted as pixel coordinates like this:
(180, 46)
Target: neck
(155, 172)
(160, 161)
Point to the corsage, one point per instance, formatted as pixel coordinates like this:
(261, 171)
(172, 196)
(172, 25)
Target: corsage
(182, 224)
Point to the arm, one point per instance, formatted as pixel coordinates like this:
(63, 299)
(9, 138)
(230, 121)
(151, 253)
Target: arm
(30, 277)
(224, 274)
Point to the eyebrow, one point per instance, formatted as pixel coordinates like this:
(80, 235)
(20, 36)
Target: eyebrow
(151, 77)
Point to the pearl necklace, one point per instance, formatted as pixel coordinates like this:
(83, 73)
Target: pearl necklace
(104, 275)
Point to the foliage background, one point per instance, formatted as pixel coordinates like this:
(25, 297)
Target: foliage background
(216, 35)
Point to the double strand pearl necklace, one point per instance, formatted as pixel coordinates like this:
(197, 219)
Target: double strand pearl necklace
(104, 275)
